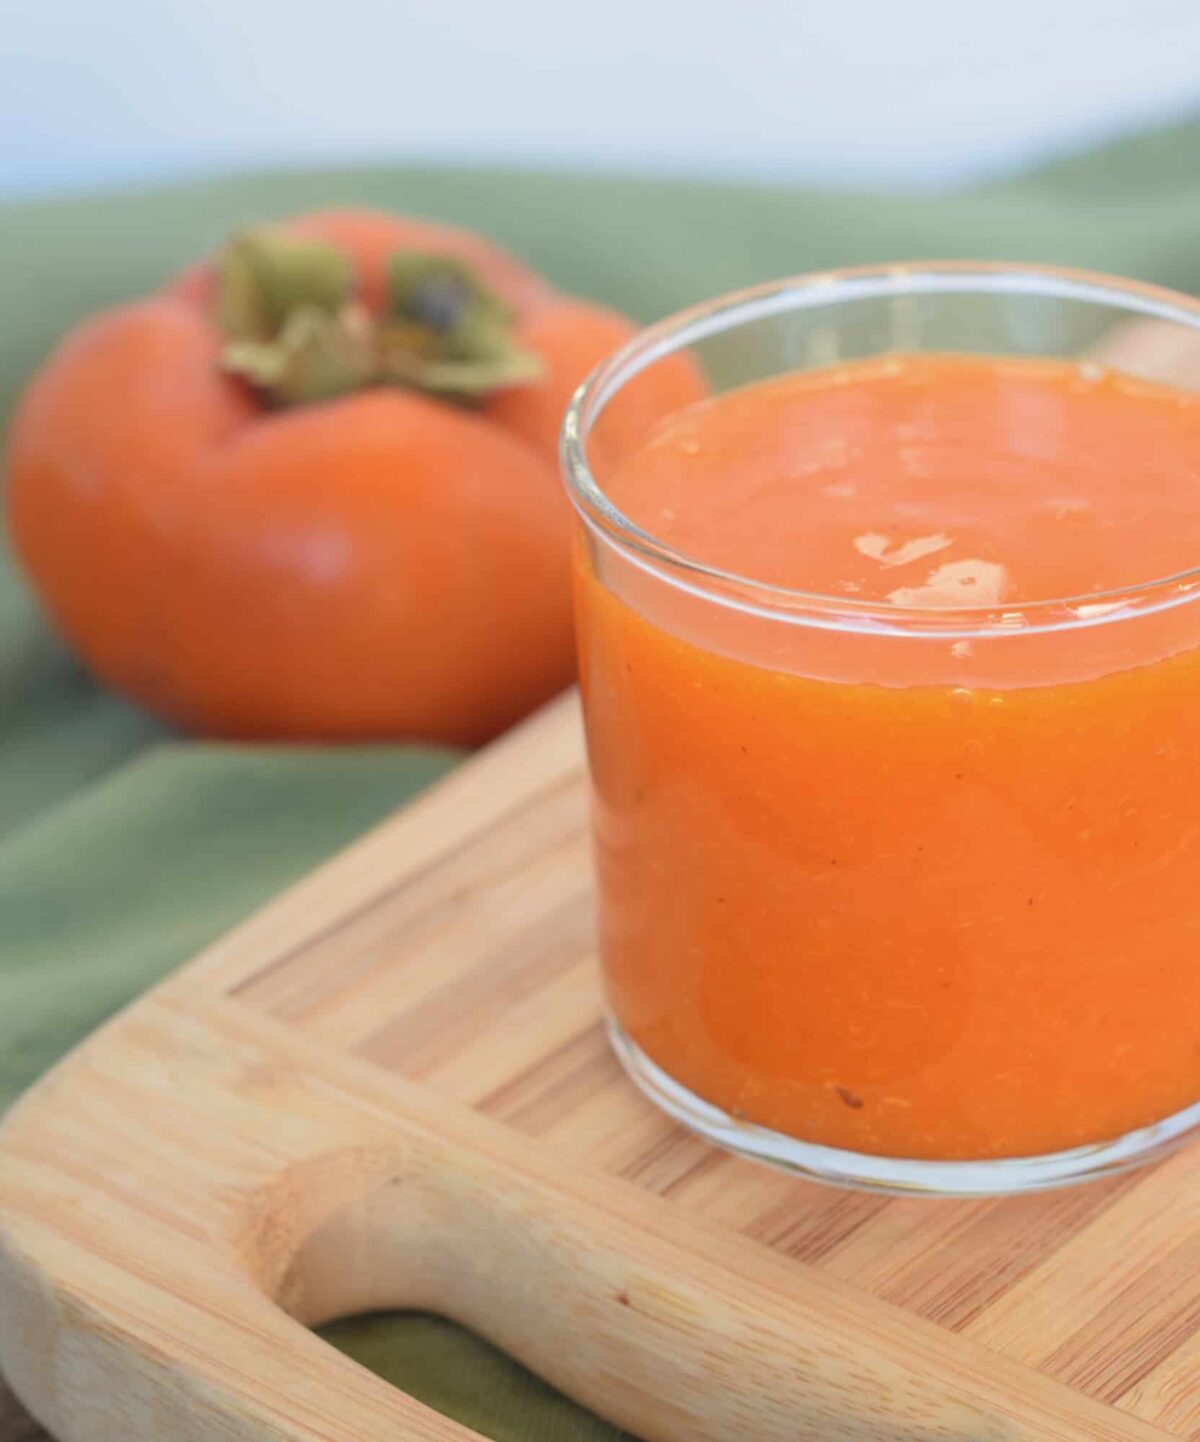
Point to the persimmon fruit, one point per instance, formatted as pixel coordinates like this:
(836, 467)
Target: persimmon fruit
(309, 490)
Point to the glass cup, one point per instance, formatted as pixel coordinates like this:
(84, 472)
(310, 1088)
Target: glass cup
(895, 898)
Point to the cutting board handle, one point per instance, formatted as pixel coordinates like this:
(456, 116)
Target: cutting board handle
(195, 1186)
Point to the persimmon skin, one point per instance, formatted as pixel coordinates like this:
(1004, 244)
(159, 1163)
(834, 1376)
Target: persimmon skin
(572, 336)
(415, 588)
(101, 456)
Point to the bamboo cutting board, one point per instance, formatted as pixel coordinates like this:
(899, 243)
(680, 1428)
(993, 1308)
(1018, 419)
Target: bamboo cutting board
(392, 1089)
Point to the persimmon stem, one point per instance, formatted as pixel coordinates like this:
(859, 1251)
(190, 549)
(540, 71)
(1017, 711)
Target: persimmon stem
(294, 331)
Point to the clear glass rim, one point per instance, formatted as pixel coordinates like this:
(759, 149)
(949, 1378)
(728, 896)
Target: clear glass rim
(801, 292)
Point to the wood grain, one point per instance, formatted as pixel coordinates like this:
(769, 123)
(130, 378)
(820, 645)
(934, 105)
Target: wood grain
(392, 1088)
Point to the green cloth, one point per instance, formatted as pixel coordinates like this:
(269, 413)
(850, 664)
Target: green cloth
(124, 849)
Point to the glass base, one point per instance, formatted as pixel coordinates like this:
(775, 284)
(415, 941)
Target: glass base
(999, 1176)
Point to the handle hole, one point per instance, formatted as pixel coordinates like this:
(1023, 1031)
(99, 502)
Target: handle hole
(456, 1372)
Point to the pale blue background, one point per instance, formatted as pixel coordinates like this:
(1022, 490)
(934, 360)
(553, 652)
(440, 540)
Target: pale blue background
(878, 91)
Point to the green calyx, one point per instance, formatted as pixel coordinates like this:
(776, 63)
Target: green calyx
(293, 329)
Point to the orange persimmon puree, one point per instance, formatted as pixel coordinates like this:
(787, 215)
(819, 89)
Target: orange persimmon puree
(929, 889)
